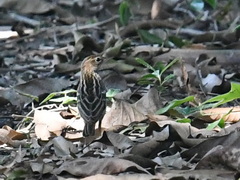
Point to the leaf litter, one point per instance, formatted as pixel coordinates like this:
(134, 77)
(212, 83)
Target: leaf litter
(44, 139)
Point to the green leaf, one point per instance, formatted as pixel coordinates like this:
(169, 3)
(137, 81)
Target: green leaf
(124, 13)
(159, 65)
(148, 37)
(148, 79)
(212, 3)
(174, 104)
(112, 92)
(28, 95)
(177, 41)
(17, 174)
(186, 111)
(237, 27)
(169, 65)
(220, 123)
(233, 94)
(69, 100)
(144, 63)
(153, 75)
(50, 96)
(168, 78)
(145, 82)
(64, 100)
(184, 120)
(148, 76)
(198, 5)
(68, 91)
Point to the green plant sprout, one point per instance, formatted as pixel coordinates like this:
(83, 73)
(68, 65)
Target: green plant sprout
(65, 99)
(174, 103)
(157, 73)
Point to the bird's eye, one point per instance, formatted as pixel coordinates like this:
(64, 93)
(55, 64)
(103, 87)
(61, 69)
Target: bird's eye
(98, 59)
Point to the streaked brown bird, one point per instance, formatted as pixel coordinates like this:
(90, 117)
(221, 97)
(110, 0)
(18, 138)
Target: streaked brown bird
(91, 94)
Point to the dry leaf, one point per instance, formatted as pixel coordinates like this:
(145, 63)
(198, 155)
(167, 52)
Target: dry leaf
(149, 103)
(62, 147)
(218, 174)
(121, 113)
(27, 6)
(90, 166)
(120, 141)
(4, 138)
(229, 114)
(9, 136)
(123, 177)
(41, 167)
(48, 122)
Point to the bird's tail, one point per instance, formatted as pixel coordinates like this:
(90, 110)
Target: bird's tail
(89, 129)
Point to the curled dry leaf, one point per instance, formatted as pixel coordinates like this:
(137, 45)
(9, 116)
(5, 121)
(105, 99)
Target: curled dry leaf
(50, 124)
(156, 117)
(178, 130)
(184, 130)
(14, 135)
(90, 166)
(9, 135)
(123, 113)
(229, 114)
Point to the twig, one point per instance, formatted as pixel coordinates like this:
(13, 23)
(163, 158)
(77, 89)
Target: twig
(187, 31)
(21, 116)
(24, 19)
(24, 68)
(132, 28)
(63, 29)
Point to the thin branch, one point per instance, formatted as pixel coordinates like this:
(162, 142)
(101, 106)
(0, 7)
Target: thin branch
(63, 29)
(24, 19)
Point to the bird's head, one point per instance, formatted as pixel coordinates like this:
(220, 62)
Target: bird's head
(91, 63)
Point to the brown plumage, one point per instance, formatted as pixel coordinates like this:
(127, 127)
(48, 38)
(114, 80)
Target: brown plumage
(91, 95)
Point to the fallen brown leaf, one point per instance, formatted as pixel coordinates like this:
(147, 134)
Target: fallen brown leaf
(229, 114)
(90, 166)
(123, 177)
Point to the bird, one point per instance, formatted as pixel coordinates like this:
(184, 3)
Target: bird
(91, 94)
